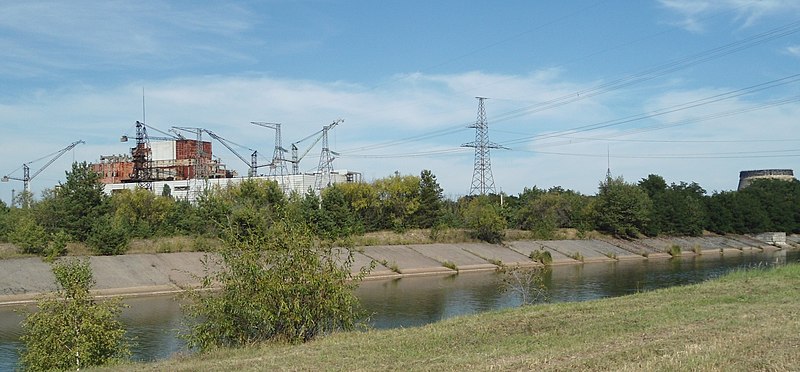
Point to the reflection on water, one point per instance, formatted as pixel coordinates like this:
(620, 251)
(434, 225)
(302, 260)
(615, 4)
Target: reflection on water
(408, 302)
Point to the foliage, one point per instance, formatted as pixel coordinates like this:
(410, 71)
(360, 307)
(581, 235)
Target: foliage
(79, 202)
(27, 235)
(541, 256)
(484, 220)
(430, 209)
(335, 219)
(140, 212)
(674, 250)
(107, 238)
(277, 284)
(621, 208)
(398, 198)
(527, 283)
(677, 210)
(71, 330)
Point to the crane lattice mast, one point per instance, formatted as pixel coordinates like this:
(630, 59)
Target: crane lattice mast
(26, 169)
(278, 166)
(325, 168)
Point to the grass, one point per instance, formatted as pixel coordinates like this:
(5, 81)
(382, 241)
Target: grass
(450, 265)
(577, 256)
(743, 321)
(674, 250)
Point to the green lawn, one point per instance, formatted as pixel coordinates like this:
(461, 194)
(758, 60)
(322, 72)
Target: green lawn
(748, 320)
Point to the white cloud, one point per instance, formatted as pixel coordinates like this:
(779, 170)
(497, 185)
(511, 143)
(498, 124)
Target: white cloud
(793, 50)
(410, 106)
(746, 12)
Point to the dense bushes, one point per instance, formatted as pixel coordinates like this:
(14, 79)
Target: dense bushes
(78, 210)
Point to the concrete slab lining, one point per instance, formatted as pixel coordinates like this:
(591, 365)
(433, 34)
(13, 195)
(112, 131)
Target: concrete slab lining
(525, 247)
(499, 254)
(452, 253)
(405, 260)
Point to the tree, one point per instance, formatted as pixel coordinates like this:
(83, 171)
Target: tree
(484, 220)
(79, 202)
(621, 208)
(430, 201)
(336, 219)
(71, 330)
(398, 197)
(277, 284)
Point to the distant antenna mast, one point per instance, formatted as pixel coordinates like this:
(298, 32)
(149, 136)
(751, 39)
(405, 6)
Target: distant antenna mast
(482, 180)
(608, 159)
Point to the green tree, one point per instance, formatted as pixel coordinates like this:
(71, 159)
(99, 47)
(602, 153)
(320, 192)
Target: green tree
(27, 235)
(141, 212)
(430, 201)
(277, 285)
(363, 199)
(79, 202)
(398, 197)
(108, 238)
(621, 208)
(70, 330)
(484, 219)
(336, 219)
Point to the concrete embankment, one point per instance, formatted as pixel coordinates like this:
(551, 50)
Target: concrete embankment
(22, 280)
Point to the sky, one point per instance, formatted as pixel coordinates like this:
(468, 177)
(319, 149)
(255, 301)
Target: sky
(692, 90)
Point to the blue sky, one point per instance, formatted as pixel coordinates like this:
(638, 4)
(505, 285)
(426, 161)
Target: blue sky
(690, 90)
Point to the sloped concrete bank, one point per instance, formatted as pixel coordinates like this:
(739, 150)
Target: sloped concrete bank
(22, 280)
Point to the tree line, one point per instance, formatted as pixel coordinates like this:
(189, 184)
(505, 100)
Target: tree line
(78, 210)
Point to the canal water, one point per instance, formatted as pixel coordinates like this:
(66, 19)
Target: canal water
(408, 302)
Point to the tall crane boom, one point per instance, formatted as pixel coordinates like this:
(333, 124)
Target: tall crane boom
(296, 158)
(253, 163)
(278, 165)
(26, 170)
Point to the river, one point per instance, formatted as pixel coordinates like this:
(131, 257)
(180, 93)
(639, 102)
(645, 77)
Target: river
(415, 301)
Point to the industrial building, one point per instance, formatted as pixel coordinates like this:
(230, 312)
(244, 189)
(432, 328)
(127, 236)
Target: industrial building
(187, 167)
(746, 177)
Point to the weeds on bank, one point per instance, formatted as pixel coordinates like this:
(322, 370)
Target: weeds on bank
(541, 256)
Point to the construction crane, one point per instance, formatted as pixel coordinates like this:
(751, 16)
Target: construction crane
(295, 151)
(278, 165)
(26, 170)
(253, 163)
(326, 157)
(200, 168)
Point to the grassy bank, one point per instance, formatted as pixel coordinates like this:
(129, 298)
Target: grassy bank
(748, 320)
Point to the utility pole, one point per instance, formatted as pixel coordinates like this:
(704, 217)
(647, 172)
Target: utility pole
(482, 180)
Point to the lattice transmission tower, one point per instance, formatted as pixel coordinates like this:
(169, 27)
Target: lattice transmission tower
(482, 180)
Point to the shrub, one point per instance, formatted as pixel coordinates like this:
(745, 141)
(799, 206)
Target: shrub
(674, 250)
(541, 256)
(450, 265)
(527, 283)
(107, 239)
(71, 330)
(29, 236)
(577, 256)
(276, 284)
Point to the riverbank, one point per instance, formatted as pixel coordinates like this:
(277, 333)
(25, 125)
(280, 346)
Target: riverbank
(747, 320)
(23, 279)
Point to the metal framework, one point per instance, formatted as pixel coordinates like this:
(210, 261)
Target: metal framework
(26, 169)
(325, 168)
(482, 179)
(278, 166)
(142, 164)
